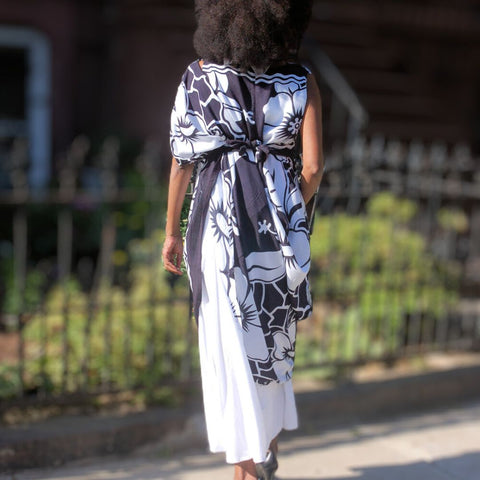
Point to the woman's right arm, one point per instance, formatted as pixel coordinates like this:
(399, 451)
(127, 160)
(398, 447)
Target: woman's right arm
(312, 142)
(172, 251)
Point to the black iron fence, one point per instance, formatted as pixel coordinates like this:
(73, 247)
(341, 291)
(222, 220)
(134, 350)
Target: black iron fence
(396, 253)
(87, 306)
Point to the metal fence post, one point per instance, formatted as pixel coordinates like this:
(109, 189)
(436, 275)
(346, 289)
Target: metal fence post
(18, 165)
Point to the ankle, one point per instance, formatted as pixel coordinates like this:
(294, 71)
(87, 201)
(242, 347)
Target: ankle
(274, 446)
(245, 471)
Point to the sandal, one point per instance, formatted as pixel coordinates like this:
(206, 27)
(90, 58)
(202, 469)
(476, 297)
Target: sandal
(266, 470)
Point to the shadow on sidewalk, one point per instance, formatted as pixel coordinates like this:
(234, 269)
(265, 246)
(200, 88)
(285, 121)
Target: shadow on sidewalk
(464, 466)
(321, 434)
(316, 442)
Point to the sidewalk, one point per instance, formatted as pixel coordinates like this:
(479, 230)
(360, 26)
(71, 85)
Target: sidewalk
(443, 444)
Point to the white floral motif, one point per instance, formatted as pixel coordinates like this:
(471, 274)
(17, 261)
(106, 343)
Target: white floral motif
(231, 112)
(284, 349)
(189, 135)
(245, 310)
(264, 227)
(294, 125)
(264, 276)
(284, 113)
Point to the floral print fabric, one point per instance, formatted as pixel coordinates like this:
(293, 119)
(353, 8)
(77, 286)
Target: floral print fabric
(242, 129)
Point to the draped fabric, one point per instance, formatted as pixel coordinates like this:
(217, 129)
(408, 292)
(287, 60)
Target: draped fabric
(242, 129)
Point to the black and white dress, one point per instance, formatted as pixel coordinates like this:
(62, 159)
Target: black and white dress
(247, 246)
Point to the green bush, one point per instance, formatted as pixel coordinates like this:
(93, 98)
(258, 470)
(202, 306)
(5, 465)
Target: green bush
(35, 283)
(117, 334)
(374, 272)
(371, 273)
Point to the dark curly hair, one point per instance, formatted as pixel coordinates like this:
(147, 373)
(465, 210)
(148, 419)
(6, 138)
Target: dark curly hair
(250, 33)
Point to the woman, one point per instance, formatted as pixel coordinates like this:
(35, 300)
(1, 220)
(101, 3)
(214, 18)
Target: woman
(241, 114)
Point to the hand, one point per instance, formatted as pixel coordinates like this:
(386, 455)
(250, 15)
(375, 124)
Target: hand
(172, 254)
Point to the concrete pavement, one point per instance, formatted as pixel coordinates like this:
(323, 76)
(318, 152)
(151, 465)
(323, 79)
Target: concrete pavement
(442, 444)
(372, 392)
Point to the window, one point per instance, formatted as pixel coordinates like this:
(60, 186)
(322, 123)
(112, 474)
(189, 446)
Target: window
(25, 99)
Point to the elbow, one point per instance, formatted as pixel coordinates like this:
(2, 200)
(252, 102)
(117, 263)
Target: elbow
(315, 170)
(317, 173)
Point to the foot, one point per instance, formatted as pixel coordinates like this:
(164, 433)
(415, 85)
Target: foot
(266, 470)
(245, 471)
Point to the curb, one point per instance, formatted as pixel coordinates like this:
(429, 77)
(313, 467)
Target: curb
(59, 440)
(374, 399)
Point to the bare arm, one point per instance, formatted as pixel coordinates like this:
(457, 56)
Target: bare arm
(312, 142)
(172, 251)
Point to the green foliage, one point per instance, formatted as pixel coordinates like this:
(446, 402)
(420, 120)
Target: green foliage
(370, 274)
(374, 272)
(184, 217)
(384, 204)
(35, 283)
(9, 381)
(453, 219)
(110, 338)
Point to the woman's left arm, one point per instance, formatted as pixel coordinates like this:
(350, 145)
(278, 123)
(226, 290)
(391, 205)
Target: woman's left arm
(312, 141)
(172, 251)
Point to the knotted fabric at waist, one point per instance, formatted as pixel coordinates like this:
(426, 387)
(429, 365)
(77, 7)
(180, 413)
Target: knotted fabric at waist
(261, 150)
(207, 177)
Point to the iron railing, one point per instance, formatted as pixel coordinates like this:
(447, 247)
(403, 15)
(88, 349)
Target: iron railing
(87, 306)
(344, 115)
(396, 253)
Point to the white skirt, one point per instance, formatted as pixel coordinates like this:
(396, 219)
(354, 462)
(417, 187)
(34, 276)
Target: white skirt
(242, 416)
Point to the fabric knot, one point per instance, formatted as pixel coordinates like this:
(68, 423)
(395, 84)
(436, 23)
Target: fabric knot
(261, 150)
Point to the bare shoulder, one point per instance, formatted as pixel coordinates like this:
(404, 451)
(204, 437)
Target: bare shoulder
(313, 92)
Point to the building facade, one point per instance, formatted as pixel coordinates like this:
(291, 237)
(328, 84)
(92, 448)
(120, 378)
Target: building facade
(112, 66)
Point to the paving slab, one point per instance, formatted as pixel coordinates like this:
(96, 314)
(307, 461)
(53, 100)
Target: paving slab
(442, 444)
(368, 395)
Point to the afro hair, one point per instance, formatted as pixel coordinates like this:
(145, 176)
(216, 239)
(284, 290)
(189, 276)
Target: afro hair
(250, 34)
